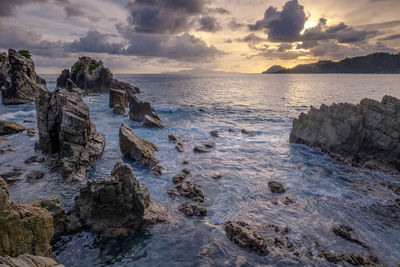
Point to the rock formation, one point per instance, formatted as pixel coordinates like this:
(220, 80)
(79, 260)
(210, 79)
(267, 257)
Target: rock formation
(27, 260)
(135, 147)
(365, 135)
(142, 111)
(24, 228)
(65, 129)
(10, 127)
(18, 77)
(91, 76)
(115, 205)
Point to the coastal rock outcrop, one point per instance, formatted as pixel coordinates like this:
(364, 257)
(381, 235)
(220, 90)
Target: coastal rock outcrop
(27, 260)
(142, 111)
(18, 77)
(10, 127)
(365, 135)
(115, 205)
(91, 76)
(24, 228)
(65, 129)
(136, 148)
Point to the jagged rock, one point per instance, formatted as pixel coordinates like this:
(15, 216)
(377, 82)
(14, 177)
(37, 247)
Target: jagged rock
(12, 176)
(65, 129)
(214, 133)
(288, 201)
(119, 109)
(179, 178)
(34, 159)
(27, 260)
(35, 175)
(216, 175)
(158, 170)
(31, 132)
(10, 127)
(3, 140)
(201, 149)
(193, 209)
(173, 138)
(276, 187)
(6, 149)
(18, 78)
(246, 132)
(115, 205)
(352, 258)
(118, 97)
(138, 110)
(24, 228)
(185, 162)
(365, 135)
(186, 171)
(136, 148)
(53, 206)
(151, 122)
(346, 232)
(188, 190)
(91, 76)
(209, 145)
(246, 236)
(179, 147)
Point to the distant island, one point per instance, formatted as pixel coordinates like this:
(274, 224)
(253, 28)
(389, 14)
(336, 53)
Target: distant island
(373, 63)
(199, 72)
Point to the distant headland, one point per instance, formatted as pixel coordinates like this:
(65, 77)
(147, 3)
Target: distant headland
(373, 63)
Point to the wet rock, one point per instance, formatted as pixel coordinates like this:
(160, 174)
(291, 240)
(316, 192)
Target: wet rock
(185, 162)
(231, 130)
(172, 138)
(365, 135)
(115, 205)
(151, 122)
(18, 78)
(119, 110)
(65, 130)
(346, 232)
(3, 140)
(201, 149)
(158, 170)
(352, 258)
(91, 76)
(136, 148)
(118, 97)
(186, 171)
(179, 147)
(10, 127)
(138, 110)
(288, 201)
(53, 206)
(179, 178)
(24, 228)
(5, 149)
(29, 121)
(214, 133)
(34, 159)
(35, 175)
(246, 236)
(27, 260)
(12, 176)
(209, 145)
(193, 209)
(246, 132)
(188, 190)
(31, 132)
(216, 175)
(276, 187)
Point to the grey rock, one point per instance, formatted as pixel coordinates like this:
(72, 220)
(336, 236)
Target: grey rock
(158, 170)
(53, 206)
(10, 127)
(365, 135)
(119, 109)
(179, 178)
(28, 260)
(118, 97)
(214, 133)
(193, 209)
(138, 110)
(276, 187)
(201, 149)
(31, 132)
(209, 145)
(346, 232)
(151, 122)
(136, 148)
(18, 79)
(34, 159)
(188, 190)
(35, 175)
(179, 147)
(186, 171)
(173, 138)
(65, 130)
(12, 177)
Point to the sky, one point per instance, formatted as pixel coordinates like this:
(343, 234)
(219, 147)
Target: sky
(153, 36)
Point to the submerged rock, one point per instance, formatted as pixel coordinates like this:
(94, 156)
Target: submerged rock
(352, 258)
(12, 176)
(173, 138)
(276, 187)
(209, 144)
(10, 127)
(158, 170)
(27, 260)
(214, 133)
(91, 76)
(179, 147)
(193, 209)
(119, 110)
(34, 159)
(65, 129)
(201, 149)
(136, 148)
(35, 175)
(31, 132)
(346, 232)
(188, 190)
(142, 111)
(18, 77)
(246, 236)
(115, 205)
(365, 135)
(24, 228)
(179, 178)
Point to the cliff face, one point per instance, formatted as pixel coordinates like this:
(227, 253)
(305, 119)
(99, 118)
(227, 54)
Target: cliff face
(18, 78)
(373, 63)
(365, 135)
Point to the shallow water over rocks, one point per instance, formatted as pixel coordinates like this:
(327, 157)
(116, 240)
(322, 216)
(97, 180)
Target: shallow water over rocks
(325, 193)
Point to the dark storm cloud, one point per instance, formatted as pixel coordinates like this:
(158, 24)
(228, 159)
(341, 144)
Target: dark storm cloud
(209, 24)
(95, 41)
(282, 26)
(7, 7)
(219, 10)
(234, 25)
(390, 37)
(74, 10)
(251, 38)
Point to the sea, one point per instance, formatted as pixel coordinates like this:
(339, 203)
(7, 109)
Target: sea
(325, 192)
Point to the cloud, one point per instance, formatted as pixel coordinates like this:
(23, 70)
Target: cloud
(73, 10)
(209, 24)
(95, 42)
(282, 26)
(251, 39)
(7, 7)
(234, 25)
(390, 37)
(219, 10)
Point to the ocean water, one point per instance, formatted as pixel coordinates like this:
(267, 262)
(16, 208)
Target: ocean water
(325, 192)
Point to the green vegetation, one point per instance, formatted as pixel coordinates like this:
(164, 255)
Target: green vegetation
(77, 67)
(2, 58)
(92, 67)
(25, 53)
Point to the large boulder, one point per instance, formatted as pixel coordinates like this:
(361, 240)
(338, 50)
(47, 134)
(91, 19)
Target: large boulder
(65, 129)
(91, 76)
(24, 228)
(18, 77)
(365, 135)
(136, 148)
(115, 205)
(142, 111)
(10, 127)
(27, 260)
